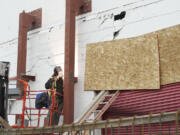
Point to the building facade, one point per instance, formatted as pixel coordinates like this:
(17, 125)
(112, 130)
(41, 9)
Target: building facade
(45, 46)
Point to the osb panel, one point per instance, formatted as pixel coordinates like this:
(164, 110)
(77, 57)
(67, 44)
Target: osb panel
(123, 64)
(169, 46)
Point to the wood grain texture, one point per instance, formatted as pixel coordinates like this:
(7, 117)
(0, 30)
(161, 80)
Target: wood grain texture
(169, 47)
(123, 64)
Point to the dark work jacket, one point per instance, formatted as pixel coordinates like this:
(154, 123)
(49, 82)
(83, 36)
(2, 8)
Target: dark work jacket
(59, 85)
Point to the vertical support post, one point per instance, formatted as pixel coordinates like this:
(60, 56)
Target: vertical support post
(27, 22)
(69, 63)
(22, 47)
(39, 115)
(73, 8)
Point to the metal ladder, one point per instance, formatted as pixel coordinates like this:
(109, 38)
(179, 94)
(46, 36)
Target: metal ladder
(99, 105)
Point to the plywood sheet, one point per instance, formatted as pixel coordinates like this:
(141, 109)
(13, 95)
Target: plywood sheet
(169, 46)
(123, 64)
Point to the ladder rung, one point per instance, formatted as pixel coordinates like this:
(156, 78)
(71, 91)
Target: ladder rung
(103, 103)
(89, 120)
(96, 111)
(109, 95)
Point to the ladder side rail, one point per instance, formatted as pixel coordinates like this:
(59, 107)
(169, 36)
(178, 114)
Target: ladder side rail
(91, 111)
(116, 94)
(94, 102)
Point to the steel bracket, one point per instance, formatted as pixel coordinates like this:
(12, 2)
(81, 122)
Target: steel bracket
(28, 77)
(37, 21)
(83, 6)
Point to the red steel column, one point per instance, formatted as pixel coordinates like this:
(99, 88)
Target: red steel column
(73, 8)
(27, 22)
(24, 24)
(69, 63)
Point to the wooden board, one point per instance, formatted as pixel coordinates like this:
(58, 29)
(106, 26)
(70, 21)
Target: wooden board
(123, 64)
(169, 46)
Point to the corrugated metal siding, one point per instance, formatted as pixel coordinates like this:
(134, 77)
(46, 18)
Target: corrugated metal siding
(130, 103)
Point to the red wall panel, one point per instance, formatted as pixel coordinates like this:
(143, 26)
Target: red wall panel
(142, 102)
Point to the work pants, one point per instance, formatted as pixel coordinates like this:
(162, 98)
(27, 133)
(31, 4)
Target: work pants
(56, 115)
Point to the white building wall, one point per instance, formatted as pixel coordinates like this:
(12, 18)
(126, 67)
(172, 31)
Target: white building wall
(142, 16)
(46, 45)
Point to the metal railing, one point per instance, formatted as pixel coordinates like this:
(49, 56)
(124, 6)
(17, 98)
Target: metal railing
(155, 124)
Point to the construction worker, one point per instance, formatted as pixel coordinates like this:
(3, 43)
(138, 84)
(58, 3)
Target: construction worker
(56, 83)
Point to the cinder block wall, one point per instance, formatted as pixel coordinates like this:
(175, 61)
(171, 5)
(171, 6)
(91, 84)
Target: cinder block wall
(46, 45)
